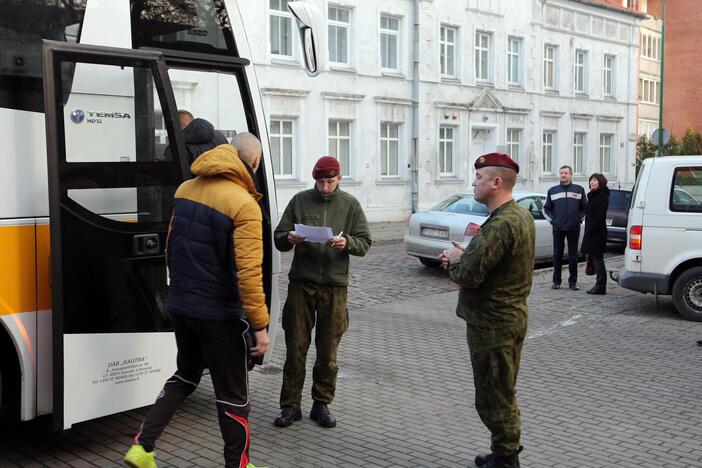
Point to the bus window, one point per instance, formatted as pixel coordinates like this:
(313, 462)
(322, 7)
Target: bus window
(110, 112)
(192, 25)
(99, 115)
(23, 25)
(213, 96)
(113, 115)
(119, 204)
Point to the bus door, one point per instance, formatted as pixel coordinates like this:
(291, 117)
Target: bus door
(111, 183)
(215, 88)
(211, 81)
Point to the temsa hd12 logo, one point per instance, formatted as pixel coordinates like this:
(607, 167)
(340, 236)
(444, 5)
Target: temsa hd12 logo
(95, 117)
(77, 116)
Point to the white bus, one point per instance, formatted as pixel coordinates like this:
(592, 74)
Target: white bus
(91, 155)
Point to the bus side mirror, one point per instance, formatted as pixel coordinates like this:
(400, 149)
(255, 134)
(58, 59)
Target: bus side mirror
(312, 29)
